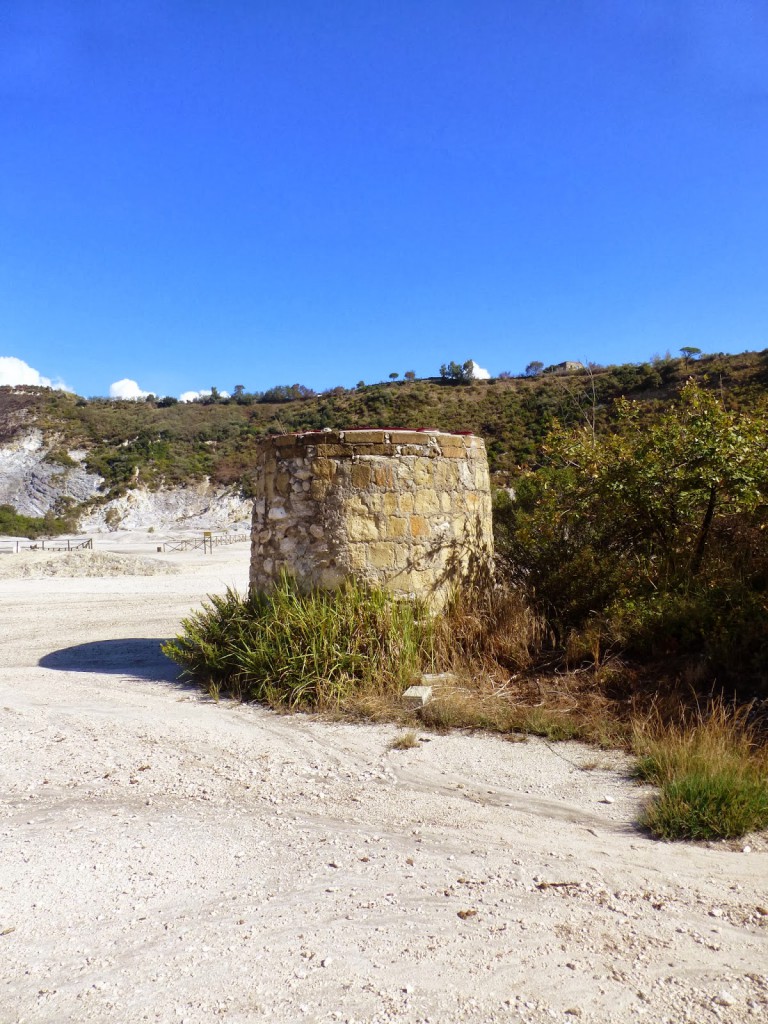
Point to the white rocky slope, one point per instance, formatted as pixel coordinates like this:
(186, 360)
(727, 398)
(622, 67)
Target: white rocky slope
(198, 506)
(33, 486)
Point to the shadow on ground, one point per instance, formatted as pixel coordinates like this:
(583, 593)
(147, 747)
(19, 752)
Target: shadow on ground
(137, 657)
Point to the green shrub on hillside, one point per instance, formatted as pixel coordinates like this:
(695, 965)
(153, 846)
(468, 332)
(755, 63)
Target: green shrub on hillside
(14, 524)
(653, 533)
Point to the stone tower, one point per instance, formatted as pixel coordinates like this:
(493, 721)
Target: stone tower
(405, 510)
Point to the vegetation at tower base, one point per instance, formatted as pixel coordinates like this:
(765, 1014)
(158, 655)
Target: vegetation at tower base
(297, 649)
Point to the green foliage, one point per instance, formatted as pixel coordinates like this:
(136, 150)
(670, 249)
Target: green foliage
(287, 393)
(655, 530)
(171, 442)
(461, 373)
(59, 457)
(712, 773)
(713, 804)
(13, 524)
(311, 650)
(690, 352)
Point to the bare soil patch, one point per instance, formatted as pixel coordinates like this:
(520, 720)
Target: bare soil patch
(165, 858)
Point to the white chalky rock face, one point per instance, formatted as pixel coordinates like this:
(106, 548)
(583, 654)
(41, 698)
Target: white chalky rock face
(406, 510)
(198, 506)
(34, 482)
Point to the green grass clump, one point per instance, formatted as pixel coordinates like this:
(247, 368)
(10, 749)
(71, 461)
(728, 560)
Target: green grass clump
(316, 649)
(712, 774)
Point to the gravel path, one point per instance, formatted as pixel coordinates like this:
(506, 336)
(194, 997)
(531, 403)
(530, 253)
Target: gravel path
(164, 858)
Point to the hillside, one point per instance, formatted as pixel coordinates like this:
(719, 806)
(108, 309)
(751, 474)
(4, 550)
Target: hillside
(94, 450)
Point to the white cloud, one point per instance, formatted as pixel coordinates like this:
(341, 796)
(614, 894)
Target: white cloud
(127, 388)
(192, 396)
(477, 372)
(15, 371)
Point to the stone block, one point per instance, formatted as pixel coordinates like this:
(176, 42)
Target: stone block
(372, 449)
(361, 528)
(357, 558)
(381, 555)
(360, 475)
(422, 472)
(419, 527)
(318, 489)
(324, 469)
(283, 484)
(383, 476)
(336, 451)
(425, 502)
(422, 451)
(449, 450)
(389, 504)
(395, 528)
(417, 696)
(357, 437)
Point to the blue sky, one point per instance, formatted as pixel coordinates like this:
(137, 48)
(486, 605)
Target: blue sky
(198, 193)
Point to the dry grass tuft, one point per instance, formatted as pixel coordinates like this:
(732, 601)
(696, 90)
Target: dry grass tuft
(405, 741)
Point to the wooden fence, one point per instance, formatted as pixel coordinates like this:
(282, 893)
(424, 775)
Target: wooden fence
(205, 543)
(14, 546)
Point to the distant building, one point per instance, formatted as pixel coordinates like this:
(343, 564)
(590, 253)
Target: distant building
(569, 366)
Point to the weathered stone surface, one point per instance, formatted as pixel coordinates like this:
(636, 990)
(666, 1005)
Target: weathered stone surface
(406, 510)
(417, 696)
(361, 475)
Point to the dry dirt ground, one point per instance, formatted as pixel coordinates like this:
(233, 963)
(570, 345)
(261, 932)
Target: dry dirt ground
(165, 858)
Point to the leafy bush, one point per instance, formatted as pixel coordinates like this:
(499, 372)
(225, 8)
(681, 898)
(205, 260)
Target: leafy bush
(14, 524)
(654, 533)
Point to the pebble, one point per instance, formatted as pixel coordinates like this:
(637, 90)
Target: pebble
(724, 999)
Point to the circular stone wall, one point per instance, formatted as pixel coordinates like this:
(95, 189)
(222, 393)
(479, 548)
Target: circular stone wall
(406, 510)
